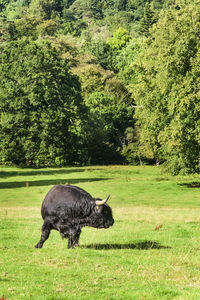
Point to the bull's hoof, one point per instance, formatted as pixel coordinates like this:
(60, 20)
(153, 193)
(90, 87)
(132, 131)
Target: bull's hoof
(38, 246)
(73, 246)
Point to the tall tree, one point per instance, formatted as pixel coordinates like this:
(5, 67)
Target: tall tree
(87, 10)
(147, 20)
(167, 92)
(40, 105)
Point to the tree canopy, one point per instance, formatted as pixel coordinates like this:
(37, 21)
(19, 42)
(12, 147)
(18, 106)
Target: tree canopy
(40, 105)
(167, 89)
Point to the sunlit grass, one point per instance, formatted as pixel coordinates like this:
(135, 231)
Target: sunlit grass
(130, 260)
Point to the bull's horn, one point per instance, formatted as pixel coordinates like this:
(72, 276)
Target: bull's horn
(102, 202)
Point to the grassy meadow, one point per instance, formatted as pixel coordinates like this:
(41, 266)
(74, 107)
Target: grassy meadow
(151, 252)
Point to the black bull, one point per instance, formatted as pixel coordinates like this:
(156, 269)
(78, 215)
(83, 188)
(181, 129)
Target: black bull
(68, 208)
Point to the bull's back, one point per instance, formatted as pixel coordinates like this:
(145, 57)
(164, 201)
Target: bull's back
(62, 198)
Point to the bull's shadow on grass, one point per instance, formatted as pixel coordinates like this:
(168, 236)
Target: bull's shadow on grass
(19, 184)
(145, 245)
(194, 184)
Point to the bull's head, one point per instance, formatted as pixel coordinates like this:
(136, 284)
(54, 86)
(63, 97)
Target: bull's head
(102, 214)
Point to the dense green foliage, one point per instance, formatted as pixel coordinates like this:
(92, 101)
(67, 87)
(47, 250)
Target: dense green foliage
(40, 105)
(168, 90)
(136, 67)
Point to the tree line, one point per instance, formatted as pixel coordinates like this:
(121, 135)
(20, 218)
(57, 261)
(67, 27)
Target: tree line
(100, 82)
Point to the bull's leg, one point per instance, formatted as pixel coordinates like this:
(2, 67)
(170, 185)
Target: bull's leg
(46, 229)
(70, 242)
(73, 239)
(76, 238)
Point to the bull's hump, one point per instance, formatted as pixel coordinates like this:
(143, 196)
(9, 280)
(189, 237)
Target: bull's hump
(78, 190)
(65, 190)
(65, 197)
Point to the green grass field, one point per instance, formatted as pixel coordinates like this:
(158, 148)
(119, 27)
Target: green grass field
(130, 260)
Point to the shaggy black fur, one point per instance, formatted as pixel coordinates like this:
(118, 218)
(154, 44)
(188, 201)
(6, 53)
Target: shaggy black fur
(68, 208)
